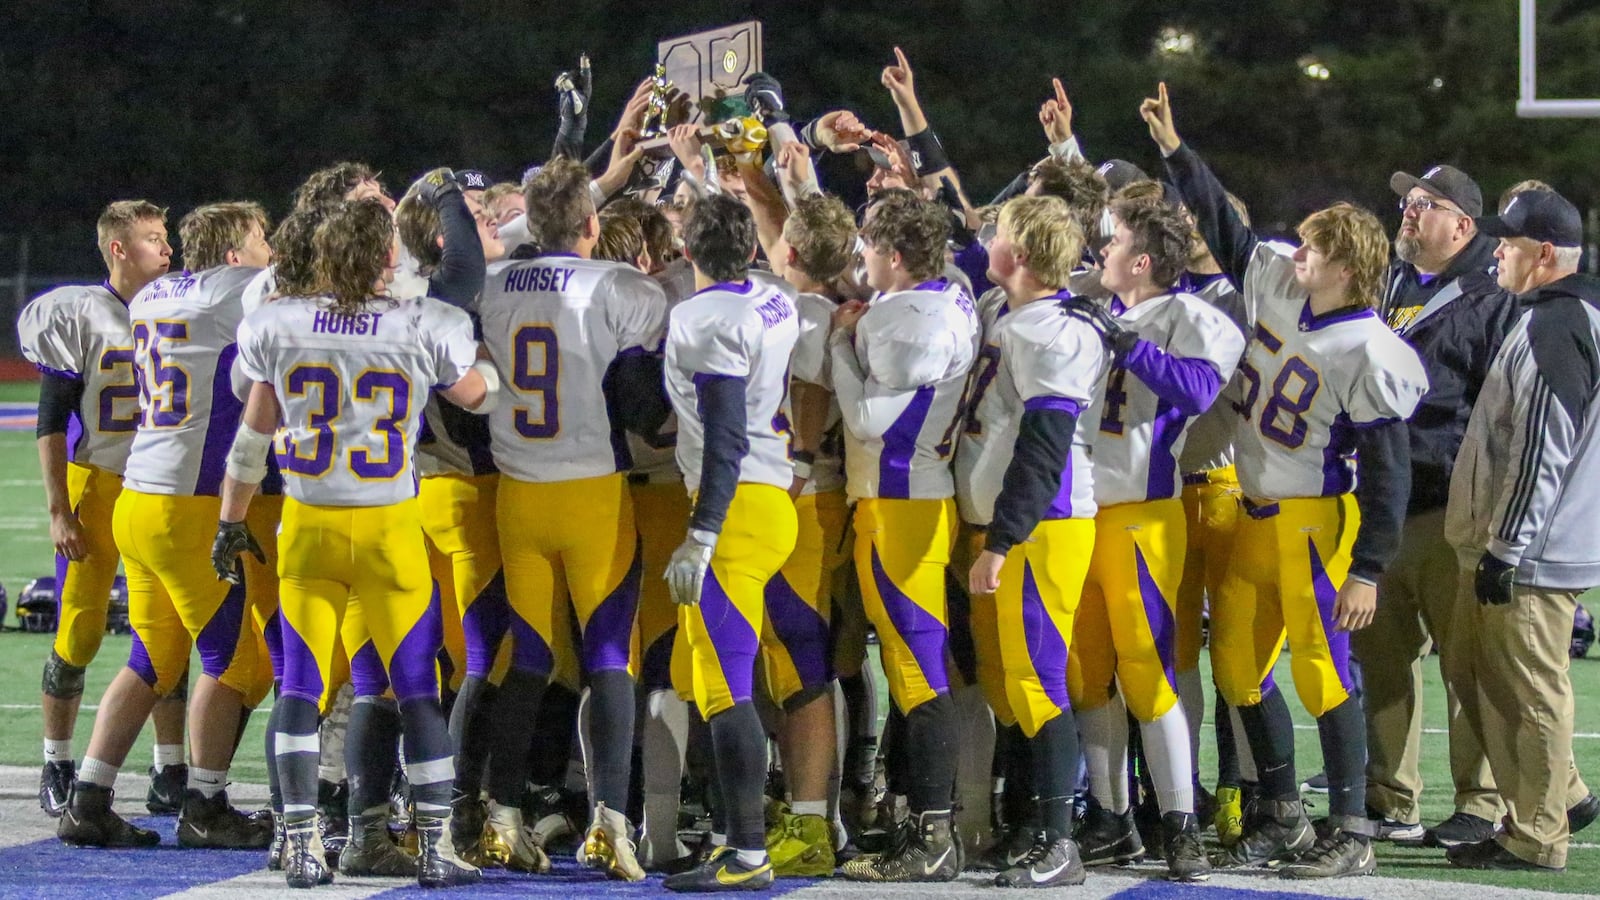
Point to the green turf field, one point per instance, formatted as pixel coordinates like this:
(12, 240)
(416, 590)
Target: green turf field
(25, 553)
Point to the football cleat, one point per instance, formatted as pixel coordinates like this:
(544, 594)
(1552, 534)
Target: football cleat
(369, 852)
(510, 843)
(88, 821)
(166, 794)
(469, 816)
(1108, 838)
(1336, 854)
(722, 871)
(1010, 848)
(1281, 832)
(608, 846)
(1186, 858)
(438, 865)
(279, 846)
(1049, 864)
(213, 824)
(924, 849)
(801, 847)
(55, 785)
(305, 862)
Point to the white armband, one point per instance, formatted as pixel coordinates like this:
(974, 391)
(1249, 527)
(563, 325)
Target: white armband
(491, 385)
(247, 459)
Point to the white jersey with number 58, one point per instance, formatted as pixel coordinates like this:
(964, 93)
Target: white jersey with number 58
(352, 388)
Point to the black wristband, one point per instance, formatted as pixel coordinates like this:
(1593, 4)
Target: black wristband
(927, 154)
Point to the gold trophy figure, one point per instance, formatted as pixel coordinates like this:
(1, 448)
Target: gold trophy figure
(655, 114)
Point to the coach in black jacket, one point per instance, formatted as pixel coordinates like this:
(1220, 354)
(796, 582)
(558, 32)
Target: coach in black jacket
(1443, 299)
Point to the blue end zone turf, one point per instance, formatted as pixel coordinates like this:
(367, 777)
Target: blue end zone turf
(51, 869)
(568, 879)
(1166, 890)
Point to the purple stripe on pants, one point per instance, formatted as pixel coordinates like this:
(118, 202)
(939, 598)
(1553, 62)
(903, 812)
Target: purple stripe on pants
(367, 677)
(1046, 648)
(732, 637)
(61, 584)
(529, 653)
(272, 633)
(139, 661)
(608, 635)
(1163, 627)
(803, 633)
(301, 677)
(923, 634)
(1327, 597)
(900, 444)
(485, 623)
(220, 637)
(413, 670)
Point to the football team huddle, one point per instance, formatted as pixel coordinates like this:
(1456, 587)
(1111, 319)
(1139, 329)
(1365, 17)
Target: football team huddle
(531, 503)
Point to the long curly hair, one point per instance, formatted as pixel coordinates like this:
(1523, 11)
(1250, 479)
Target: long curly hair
(352, 254)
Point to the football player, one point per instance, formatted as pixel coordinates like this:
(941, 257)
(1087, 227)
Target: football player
(572, 336)
(899, 368)
(344, 374)
(727, 360)
(1024, 479)
(80, 340)
(184, 328)
(1323, 462)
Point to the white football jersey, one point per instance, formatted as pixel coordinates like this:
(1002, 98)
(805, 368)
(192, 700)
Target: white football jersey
(185, 333)
(813, 365)
(553, 325)
(82, 332)
(1035, 356)
(1208, 443)
(900, 386)
(657, 460)
(260, 289)
(1141, 436)
(1307, 382)
(743, 331)
(408, 280)
(352, 388)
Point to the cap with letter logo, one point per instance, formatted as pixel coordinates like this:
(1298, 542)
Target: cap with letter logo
(1445, 182)
(1544, 216)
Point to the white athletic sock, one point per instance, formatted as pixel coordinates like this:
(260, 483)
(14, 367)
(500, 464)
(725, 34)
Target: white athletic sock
(209, 782)
(809, 808)
(1166, 750)
(1105, 754)
(95, 772)
(166, 755)
(1192, 694)
(1241, 747)
(57, 751)
(719, 840)
(752, 858)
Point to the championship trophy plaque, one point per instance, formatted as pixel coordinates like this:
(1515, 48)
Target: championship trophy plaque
(709, 67)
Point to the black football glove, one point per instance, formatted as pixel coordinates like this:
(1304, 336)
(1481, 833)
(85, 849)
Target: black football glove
(437, 185)
(1494, 580)
(765, 96)
(1120, 341)
(233, 539)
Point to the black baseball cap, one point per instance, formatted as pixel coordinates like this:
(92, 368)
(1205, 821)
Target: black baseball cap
(1544, 216)
(472, 179)
(1448, 182)
(1119, 173)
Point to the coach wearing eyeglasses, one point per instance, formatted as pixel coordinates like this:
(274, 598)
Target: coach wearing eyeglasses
(1443, 299)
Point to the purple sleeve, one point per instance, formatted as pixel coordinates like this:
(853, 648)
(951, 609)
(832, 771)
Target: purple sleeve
(1190, 385)
(973, 261)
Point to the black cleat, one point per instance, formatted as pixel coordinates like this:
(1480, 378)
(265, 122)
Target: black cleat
(1583, 814)
(1015, 844)
(1490, 855)
(333, 817)
(55, 785)
(165, 797)
(214, 824)
(1335, 855)
(926, 848)
(305, 862)
(369, 852)
(1279, 831)
(1051, 864)
(1461, 828)
(1106, 838)
(1186, 858)
(89, 822)
(721, 871)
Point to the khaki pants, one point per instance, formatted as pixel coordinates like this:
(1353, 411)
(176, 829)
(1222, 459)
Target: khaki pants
(1416, 600)
(1522, 711)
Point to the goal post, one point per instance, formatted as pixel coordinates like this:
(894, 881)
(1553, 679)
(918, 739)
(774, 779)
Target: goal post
(1529, 106)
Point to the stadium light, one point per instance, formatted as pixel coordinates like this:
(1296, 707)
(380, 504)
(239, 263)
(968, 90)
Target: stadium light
(1312, 68)
(1176, 42)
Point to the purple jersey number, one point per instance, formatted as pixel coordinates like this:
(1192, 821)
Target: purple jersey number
(531, 346)
(301, 381)
(389, 427)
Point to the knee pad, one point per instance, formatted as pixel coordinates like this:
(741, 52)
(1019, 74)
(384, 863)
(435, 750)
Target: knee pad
(62, 680)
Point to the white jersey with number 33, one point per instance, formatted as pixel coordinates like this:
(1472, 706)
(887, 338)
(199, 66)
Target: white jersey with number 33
(352, 388)
(554, 325)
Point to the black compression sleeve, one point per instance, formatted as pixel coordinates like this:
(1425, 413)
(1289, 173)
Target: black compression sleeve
(600, 159)
(1032, 480)
(1383, 486)
(1231, 241)
(635, 395)
(459, 278)
(720, 399)
(59, 397)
